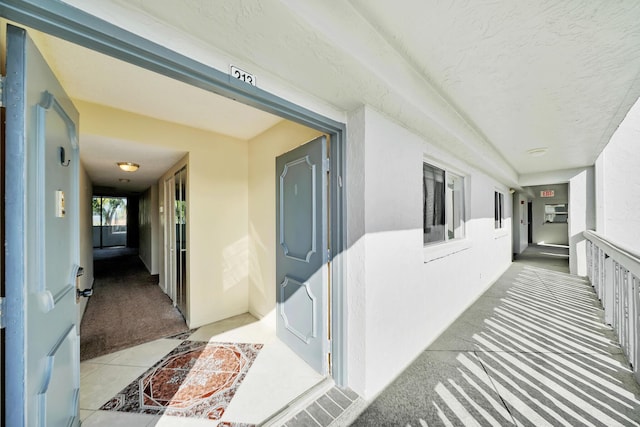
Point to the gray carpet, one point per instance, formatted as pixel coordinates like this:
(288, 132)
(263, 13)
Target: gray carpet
(127, 307)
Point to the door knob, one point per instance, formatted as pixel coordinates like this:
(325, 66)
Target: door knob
(85, 293)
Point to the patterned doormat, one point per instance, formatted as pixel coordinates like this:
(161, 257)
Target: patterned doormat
(197, 379)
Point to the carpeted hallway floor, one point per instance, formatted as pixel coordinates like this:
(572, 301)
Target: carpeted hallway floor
(127, 307)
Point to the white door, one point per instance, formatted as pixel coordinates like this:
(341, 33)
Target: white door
(180, 203)
(42, 242)
(170, 239)
(302, 253)
(175, 190)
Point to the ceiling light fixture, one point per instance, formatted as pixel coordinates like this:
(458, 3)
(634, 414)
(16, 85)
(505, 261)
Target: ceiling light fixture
(537, 152)
(128, 166)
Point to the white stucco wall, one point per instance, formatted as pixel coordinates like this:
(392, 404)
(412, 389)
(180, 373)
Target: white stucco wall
(263, 150)
(217, 206)
(618, 184)
(398, 303)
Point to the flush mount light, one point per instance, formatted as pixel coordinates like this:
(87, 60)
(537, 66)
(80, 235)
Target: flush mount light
(537, 152)
(128, 166)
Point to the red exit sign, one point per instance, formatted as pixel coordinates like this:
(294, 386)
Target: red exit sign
(547, 193)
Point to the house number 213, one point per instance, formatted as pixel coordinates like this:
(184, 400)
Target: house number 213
(243, 75)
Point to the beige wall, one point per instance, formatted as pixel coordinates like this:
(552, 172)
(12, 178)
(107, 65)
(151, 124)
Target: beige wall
(86, 236)
(263, 151)
(217, 205)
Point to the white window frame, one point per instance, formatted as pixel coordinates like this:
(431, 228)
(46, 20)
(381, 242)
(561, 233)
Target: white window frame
(498, 208)
(448, 246)
(549, 217)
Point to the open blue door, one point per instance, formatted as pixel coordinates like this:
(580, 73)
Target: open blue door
(42, 242)
(302, 277)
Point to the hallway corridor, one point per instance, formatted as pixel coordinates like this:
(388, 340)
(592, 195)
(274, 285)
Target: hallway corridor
(532, 350)
(127, 307)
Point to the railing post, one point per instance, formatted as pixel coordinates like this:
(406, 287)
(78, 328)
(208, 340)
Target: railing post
(589, 260)
(635, 325)
(595, 281)
(624, 311)
(609, 291)
(601, 281)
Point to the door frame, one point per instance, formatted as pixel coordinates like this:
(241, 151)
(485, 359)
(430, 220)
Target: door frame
(169, 240)
(67, 22)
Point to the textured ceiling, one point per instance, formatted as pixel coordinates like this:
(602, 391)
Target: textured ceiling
(528, 74)
(487, 80)
(101, 154)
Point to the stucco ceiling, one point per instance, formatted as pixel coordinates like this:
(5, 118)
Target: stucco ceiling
(487, 80)
(552, 73)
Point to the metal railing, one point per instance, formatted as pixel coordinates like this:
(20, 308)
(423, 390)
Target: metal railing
(614, 272)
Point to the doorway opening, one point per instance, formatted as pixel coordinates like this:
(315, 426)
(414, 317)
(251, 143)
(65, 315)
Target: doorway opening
(335, 229)
(530, 222)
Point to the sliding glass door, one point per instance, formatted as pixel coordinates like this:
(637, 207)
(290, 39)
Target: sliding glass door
(109, 221)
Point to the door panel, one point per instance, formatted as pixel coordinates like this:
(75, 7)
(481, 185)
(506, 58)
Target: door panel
(176, 235)
(180, 204)
(301, 253)
(170, 239)
(42, 242)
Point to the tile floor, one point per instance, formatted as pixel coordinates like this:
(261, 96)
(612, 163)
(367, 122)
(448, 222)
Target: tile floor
(276, 377)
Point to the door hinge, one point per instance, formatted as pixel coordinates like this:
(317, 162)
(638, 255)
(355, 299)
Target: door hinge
(2, 313)
(2, 94)
(329, 254)
(327, 164)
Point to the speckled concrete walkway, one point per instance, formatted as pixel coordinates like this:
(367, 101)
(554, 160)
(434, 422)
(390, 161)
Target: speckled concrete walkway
(532, 351)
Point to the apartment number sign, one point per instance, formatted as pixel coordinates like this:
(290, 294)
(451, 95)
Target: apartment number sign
(547, 193)
(243, 75)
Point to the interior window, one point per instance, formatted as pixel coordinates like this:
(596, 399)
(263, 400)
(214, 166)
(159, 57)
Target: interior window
(556, 213)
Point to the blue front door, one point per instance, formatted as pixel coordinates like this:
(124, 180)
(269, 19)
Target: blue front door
(302, 278)
(42, 242)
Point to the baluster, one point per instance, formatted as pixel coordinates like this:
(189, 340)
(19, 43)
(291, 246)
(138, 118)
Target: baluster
(589, 261)
(616, 298)
(601, 284)
(596, 274)
(624, 332)
(635, 325)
